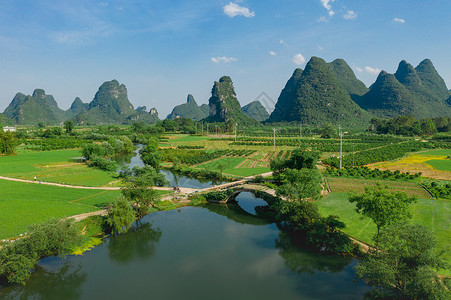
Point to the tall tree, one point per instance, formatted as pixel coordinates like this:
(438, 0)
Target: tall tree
(404, 269)
(383, 207)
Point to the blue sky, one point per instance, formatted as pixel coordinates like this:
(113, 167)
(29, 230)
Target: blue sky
(164, 50)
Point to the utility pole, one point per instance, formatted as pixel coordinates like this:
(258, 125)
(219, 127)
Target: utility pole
(353, 155)
(202, 128)
(41, 149)
(216, 129)
(341, 145)
(236, 125)
(207, 128)
(274, 139)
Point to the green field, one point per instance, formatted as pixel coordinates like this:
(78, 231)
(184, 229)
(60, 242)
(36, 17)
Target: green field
(247, 171)
(435, 214)
(345, 185)
(443, 152)
(188, 138)
(22, 204)
(440, 164)
(228, 163)
(53, 166)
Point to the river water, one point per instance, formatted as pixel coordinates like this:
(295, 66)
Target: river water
(216, 251)
(131, 160)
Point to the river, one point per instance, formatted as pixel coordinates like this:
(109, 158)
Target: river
(218, 251)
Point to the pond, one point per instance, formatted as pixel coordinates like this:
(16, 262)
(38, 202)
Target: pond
(218, 251)
(175, 179)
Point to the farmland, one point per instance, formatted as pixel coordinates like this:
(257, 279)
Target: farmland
(433, 213)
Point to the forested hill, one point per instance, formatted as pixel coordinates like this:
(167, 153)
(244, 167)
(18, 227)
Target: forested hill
(224, 105)
(30, 110)
(256, 111)
(419, 92)
(315, 96)
(189, 110)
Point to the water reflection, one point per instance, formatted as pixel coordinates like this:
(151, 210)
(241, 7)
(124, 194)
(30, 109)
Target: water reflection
(138, 243)
(299, 259)
(63, 282)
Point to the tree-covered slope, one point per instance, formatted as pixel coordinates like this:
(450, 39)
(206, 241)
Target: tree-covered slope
(431, 80)
(224, 105)
(109, 106)
(347, 78)
(77, 107)
(286, 98)
(388, 98)
(30, 110)
(189, 110)
(319, 98)
(4, 120)
(256, 111)
(422, 94)
(141, 115)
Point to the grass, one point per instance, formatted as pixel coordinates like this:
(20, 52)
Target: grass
(345, 185)
(432, 213)
(228, 163)
(22, 204)
(420, 162)
(443, 152)
(247, 171)
(442, 165)
(53, 166)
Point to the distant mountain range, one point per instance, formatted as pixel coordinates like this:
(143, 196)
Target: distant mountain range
(323, 92)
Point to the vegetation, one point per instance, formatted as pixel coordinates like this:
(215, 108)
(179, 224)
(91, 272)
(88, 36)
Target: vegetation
(419, 92)
(409, 126)
(256, 111)
(8, 142)
(50, 238)
(405, 267)
(316, 97)
(224, 106)
(189, 110)
(120, 216)
(383, 207)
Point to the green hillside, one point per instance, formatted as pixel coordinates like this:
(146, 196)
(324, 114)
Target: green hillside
(224, 105)
(189, 110)
(256, 111)
(109, 106)
(319, 98)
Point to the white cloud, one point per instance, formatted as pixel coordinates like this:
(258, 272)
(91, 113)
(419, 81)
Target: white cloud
(323, 19)
(272, 53)
(233, 10)
(399, 20)
(320, 48)
(327, 5)
(371, 70)
(298, 59)
(350, 15)
(358, 69)
(282, 42)
(223, 59)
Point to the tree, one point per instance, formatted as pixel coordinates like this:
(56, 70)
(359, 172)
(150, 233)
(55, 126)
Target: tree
(301, 184)
(120, 216)
(139, 192)
(328, 131)
(8, 142)
(68, 126)
(404, 269)
(383, 207)
(221, 167)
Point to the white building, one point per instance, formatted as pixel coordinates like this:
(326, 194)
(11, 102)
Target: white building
(7, 128)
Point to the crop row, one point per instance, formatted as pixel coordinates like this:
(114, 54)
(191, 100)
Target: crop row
(53, 144)
(367, 173)
(386, 153)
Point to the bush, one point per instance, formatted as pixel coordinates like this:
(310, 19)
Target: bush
(50, 238)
